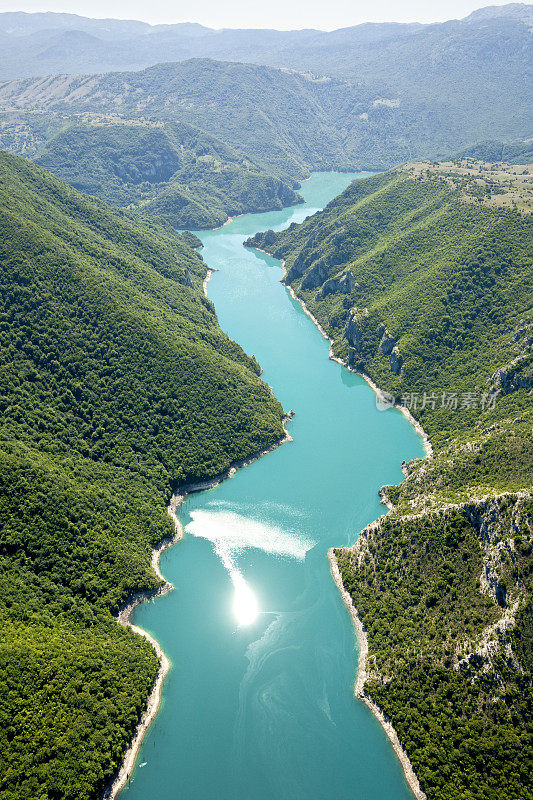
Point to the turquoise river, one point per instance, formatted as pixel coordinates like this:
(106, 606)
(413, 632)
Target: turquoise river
(259, 704)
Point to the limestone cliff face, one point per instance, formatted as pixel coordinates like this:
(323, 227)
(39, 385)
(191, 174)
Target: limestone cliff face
(354, 332)
(388, 346)
(316, 276)
(352, 329)
(496, 540)
(344, 283)
(518, 373)
(186, 280)
(499, 522)
(302, 261)
(322, 253)
(386, 341)
(396, 361)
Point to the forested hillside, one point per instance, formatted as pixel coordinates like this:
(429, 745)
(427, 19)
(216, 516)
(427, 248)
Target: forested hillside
(286, 122)
(510, 152)
(465, 78)
(175, 172)
(282, 120)
(116, 385)
(423, 278)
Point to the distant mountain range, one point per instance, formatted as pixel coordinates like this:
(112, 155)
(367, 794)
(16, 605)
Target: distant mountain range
(287, 122)
(395, 91)
(43, 43)
(368, 97)
(490, 41)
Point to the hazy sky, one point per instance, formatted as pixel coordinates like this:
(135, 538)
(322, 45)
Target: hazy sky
(281, 14)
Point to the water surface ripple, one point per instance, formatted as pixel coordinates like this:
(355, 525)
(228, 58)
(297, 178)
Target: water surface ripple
(258, 704)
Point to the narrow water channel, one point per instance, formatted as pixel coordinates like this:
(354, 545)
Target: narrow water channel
(259, 704)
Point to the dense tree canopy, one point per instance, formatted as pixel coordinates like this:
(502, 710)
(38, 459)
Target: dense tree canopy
(116, 385)
(446, 280)
(175, 172)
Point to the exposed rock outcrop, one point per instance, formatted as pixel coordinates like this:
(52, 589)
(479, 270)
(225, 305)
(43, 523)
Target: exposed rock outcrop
(388, 346)
(301, 262)
(316, 276)
(352, 331)
(496, 540)
(518, 373)
(497, 520)
(304, 259)
(186, 280)
(387, 342)
(345, 283)
(396, 360)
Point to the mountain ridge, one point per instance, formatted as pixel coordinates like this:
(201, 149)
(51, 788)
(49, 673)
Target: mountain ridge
(286, 121)
(422, 278)
(116, 386)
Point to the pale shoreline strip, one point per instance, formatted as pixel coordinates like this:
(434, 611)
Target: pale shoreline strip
(154, 699)
(379, 392)
(208, 276)
(124, 616)
(359, 691)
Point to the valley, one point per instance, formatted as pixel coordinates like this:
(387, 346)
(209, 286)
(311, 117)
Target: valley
(266, 369)
(424, 284)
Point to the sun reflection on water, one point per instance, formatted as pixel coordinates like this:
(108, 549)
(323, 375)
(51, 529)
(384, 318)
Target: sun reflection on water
(244, 600)
(231, 534)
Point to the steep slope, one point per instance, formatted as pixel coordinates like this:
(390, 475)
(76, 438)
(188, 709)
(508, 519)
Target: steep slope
(116, 384)
(275, 117)
(288, 122)
(510, 152)
(451, 84)
(176, 171)
(423, 279)
(450, 65)
(420, 277)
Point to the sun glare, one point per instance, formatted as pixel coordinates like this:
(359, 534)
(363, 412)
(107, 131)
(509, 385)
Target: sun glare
(244, 601)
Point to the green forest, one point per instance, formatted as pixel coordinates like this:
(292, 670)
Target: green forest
(116, 386)
(427, 289)
(463, 717)
(119, 142)
(512, 152)
(177, 173)
(438, 86)
(287, 122)
(173, 172)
